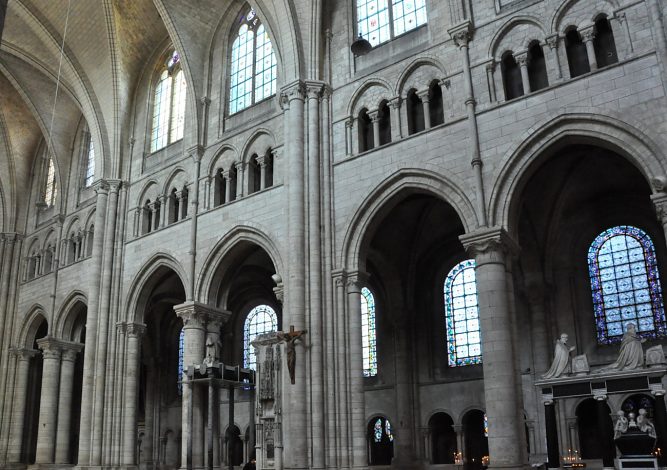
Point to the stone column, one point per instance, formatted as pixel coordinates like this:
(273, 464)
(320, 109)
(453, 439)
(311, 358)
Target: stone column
(356, 398)
(48, 402)
(404, 452)
(295, 407)
(423, 95)
(164, 210)
(660, 418)
(70, 351)
(23, 357)
(552, 434)
(522, 59)
(587, 35)
(261, 161)
(134, 332)
(507, 438)
(183, 203)
(348, 136)
(490, 82)
(395, 117)
(240, 180)
(552, 42)
(605, 432)
(152, 207)
(375, 120)
(458, 429)
(227, 175)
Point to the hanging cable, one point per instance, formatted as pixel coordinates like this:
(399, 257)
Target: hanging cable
(60, 65)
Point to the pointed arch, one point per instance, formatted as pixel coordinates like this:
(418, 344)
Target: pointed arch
(31, 323)
(68, 314)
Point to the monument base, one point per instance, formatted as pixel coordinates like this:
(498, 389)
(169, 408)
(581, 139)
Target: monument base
(636, 463)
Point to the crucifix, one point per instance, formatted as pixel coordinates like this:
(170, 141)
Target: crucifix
(290, 338)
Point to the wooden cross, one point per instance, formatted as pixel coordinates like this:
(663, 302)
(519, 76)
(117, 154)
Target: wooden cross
(290, 338)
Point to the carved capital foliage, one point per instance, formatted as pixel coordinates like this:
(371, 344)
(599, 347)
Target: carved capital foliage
(196, 152)
(24, 354)
(349, 123)
(521, 58)
(198, 315)
(489, 245)
(101, 187)
(462, 34)
(293, 91)
(660, 203)
(314, 90)
(587, 34)
(114, 185)
(135, 330)
(394, 103)
(552, 41)
(50, 346)
(374, 115)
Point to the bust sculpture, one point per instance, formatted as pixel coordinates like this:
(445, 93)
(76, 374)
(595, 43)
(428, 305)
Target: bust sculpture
(631, 355)
(561, 362)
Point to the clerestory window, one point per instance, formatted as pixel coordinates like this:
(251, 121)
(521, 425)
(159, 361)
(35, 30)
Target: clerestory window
(378, 21)
(253, 65)
(168, 104)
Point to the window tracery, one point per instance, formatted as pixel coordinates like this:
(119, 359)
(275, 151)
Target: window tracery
(169, 104)
(378, 23)
(368, 338)
(253, 65)
(464, 345)
(625, 284)
(50, 186)
(261, 319)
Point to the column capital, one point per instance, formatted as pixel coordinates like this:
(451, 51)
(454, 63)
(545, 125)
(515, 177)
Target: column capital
(587, 33)
(24, 354)
(490, 243)
(101, 186)
(490, 65)
(50, 346)
(314, 89)
(197, 314)
(261, 160)
(423, 95)
(114, 185)
(461, 34)
(658, 392)
(659, 200)
(355, 280)
(293, 91)
(552, 41)
(339, 276)
(395, 102)
(374, 115)
(521, 58)
(135, 330)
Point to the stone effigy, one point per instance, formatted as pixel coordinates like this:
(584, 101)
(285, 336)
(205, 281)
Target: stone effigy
(561, 362)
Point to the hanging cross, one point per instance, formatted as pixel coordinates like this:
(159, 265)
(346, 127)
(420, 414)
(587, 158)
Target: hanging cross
(290, 338)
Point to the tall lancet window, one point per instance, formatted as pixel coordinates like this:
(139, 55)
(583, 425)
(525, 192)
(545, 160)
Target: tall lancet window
(261, 319)
(253, 65)
(181, 352)
(464, 345)
(90, 164)
(379, 22)
(368, 342)
(50, 186)
(625, 284)
(168, 104)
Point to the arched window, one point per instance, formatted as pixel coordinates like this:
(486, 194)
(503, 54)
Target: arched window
(415, 113)
(90, 240)
(512, 80)
(181, 351)
(435, 105)
(261, 319)
(381, 441)
(254, 175)
(577, 56)
(537, 67)
(384, 123)
(368, 338)
(603, 43)
(464, 346)
(626, 284)
(50, 187)
(254, 69)
(168, 104)
(90, 164)
(443, 439)
(147, 218)
(174, 206)
(220, 188)
(365, 131)
(378, 23)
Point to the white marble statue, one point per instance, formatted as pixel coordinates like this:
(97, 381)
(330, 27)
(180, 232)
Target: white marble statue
(561, 362)
(631, 355)
(645, 424)
(621, 425)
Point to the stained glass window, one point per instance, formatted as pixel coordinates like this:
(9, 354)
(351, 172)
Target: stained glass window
(486, 426)
(625, 284)
(90, 164)
(169, 104)
(464, 345)
(378, 23)
(253, 65)
(261, 319)
(377, 430)
(368, 341)
(50, 187)
(387, 430)
(181, 350)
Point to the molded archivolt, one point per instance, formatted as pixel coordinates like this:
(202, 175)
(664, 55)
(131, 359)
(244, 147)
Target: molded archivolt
(407, 181)
(369, 95)
(258, 144)
(31, 323)
(216, 260)
(146, 278)
(178, 179)
(419, 75)
(579, 13)
(49, 240)
(516, 35)
(150, 191)
(68, 314)
(566, 129)
(225, 158)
